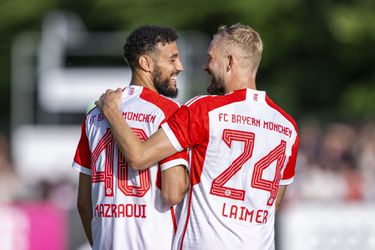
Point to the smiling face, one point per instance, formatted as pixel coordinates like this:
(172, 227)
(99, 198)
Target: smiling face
(215, 67)
(166, 69)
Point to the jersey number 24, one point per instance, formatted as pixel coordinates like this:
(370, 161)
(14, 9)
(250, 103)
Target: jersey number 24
(271, 186)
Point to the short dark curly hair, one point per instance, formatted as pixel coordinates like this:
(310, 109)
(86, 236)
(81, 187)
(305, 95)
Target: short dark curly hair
(144, 40)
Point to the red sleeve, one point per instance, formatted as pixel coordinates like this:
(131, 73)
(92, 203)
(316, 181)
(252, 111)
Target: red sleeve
(289, 171)
(291, 165)
(189, 124)
(82, 158)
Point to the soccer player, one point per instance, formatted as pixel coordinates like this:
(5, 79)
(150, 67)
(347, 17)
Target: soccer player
(243, 149)
(122, 208)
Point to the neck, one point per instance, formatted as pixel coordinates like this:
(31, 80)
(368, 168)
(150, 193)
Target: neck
(142, 79)
(241, 82)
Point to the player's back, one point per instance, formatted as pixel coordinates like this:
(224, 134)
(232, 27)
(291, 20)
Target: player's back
(128, 212)
(242, 151)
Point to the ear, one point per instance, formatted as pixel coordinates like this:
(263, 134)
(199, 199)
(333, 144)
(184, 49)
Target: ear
(230, 62)
(146, 63)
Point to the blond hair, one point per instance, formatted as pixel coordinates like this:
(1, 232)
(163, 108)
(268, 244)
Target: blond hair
(244, 38)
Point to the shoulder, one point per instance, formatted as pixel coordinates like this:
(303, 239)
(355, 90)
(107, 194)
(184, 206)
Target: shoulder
(210, 102)
(92, 116)
(197, 99)
(166, 105)
(281, 111)
(91, 110)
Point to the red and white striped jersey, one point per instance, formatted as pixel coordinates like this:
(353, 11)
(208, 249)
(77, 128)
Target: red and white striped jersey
(128, 211)
(242, 147)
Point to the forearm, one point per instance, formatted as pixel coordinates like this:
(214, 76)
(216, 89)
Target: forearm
(139, 154)
(175, 184)
(84, 204)
(86, 218)
(280, 196)
(128, 143)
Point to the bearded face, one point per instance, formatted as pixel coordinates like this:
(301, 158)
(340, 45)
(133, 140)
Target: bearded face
(215, 68)
(167, 66)
(165, 84)
(216, 86)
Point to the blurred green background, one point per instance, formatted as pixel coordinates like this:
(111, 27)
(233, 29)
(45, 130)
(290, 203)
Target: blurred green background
(318, 60)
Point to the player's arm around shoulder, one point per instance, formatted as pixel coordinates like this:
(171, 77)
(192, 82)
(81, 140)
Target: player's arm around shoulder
(175, 184)
(139, 154)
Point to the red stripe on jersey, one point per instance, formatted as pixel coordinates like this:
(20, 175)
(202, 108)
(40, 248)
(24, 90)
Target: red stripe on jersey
(187, 219)
(173, 219)
(290, 167)
(83, 154)
(196, 163)
(158, 178)
(166, 105)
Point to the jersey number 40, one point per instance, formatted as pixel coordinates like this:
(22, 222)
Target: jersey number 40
(107, 144)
